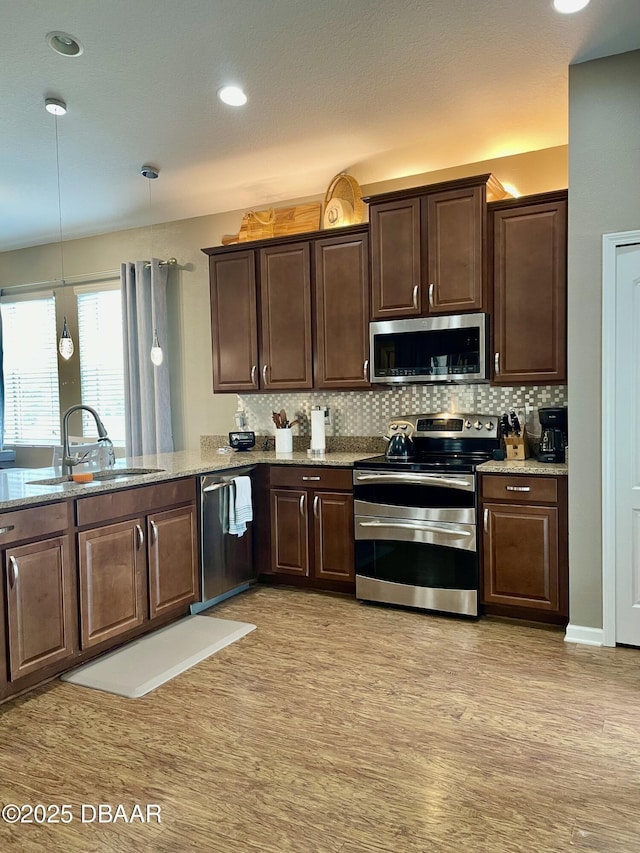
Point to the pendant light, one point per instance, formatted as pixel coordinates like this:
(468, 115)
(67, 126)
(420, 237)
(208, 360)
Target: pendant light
(151, 173)
(65, 345)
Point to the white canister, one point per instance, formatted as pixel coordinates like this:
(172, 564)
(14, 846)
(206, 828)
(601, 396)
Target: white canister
(284, 440)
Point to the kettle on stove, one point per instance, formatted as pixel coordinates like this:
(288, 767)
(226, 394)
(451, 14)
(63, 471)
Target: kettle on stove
(400, 444)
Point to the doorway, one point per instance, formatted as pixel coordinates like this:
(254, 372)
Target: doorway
(620, 439)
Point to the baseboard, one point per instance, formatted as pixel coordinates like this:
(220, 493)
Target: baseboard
(584, 636)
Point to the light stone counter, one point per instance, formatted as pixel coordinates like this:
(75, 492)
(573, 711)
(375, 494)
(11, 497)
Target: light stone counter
(524, 466)
(19, 489)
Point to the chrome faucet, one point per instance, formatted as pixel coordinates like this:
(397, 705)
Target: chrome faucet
(68, 461)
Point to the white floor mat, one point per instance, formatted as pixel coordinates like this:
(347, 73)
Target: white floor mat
(144, 664)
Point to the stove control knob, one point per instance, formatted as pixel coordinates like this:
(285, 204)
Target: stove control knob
(478, 425)
(467, 424)
(489, 425)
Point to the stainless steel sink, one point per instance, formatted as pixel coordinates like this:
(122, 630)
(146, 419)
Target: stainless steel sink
(100, 476)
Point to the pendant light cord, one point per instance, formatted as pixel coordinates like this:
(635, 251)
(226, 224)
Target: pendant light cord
(59, 204)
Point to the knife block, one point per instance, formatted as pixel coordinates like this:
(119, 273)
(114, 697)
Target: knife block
(516, 446)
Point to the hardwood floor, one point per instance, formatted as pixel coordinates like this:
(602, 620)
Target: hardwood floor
(338, 727)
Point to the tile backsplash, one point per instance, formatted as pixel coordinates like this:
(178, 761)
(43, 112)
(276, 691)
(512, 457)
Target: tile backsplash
(362, 413)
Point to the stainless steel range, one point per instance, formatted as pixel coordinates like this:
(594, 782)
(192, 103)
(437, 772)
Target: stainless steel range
(415, 513)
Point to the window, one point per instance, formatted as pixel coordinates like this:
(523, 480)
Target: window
(101, 365)
(39, 385)
(32, 401)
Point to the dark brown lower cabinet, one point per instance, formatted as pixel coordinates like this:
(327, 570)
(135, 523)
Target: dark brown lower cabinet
(139, 567)
(112, 567)
(524, 547)
(311, 533)
(42, 620)
(173, 563)
(38, 596)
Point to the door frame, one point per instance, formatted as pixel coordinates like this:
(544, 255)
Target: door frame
(610, 245)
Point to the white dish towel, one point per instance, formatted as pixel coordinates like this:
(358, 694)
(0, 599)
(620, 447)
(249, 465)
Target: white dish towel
(240, 508)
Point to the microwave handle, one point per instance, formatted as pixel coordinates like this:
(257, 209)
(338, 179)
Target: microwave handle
(496, 363)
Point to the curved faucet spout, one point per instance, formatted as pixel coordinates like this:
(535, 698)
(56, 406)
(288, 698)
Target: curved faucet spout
(67, 459)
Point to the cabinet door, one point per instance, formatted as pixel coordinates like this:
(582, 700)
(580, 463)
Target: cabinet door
(520, 550)
(112, 571)
(454, 261)
(234, 331)
(173, 565)
(41, 606)
(530, 293)
(395, 259)
(342, 312)
(333, 536)
(289, 531)
(285, 297)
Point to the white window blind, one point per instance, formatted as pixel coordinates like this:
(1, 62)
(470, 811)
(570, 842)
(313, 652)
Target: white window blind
(32, 403)
(101, 360)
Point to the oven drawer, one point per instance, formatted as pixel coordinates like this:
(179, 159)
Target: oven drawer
(457, 536)
(520, 489)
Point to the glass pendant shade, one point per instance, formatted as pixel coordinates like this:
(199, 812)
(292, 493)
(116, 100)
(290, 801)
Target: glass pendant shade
(65, 344)
(156, 350)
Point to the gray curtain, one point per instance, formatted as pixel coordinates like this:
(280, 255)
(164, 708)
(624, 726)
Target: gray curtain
(147, 390)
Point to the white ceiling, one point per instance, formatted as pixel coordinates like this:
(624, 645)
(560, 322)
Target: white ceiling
(381, 88)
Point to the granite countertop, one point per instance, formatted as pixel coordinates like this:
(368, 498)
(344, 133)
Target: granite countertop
(19, 486)
(524, 466)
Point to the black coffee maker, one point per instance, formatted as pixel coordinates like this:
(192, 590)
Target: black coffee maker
(553, 436)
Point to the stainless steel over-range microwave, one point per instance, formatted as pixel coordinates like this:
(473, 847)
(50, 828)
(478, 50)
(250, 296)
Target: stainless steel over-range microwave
(450, 348)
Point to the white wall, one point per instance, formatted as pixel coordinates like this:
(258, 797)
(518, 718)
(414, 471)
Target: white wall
(604, 196)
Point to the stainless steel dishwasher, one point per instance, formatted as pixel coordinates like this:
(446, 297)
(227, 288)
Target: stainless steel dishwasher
(226, 561)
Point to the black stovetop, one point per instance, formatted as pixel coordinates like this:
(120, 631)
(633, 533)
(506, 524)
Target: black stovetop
(454, 463)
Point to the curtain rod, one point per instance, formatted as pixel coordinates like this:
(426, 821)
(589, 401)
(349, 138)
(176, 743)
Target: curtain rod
(170, 262)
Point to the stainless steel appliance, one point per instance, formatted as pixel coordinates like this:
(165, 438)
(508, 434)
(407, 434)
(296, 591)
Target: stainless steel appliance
(553, 435)
(452, 348)
(415, 519)
(226, 561)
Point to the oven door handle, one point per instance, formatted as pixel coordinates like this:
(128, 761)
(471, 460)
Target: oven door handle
(425, 528)
(462, 482)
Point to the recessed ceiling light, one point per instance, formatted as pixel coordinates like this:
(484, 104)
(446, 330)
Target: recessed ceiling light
(55, 106)
(64, 44)
(568, 7)
(232, 95)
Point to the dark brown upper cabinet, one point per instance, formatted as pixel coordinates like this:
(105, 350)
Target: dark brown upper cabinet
(285, 312)
(341, 266)
(428, 248)
(234, 329)
(262, 301)
(529, 278)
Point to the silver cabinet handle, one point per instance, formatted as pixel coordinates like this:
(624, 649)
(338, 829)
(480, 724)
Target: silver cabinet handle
(154, 531)
(140, 533)
(415, 296)
(302, 504)
(365, 370)
(485, 518)
(264, 373)
(253, 375)
(496, 363)
(311, 478)
(431, 286)
(13, 563)
(518, 488)
(6, 529)
(315, 505)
